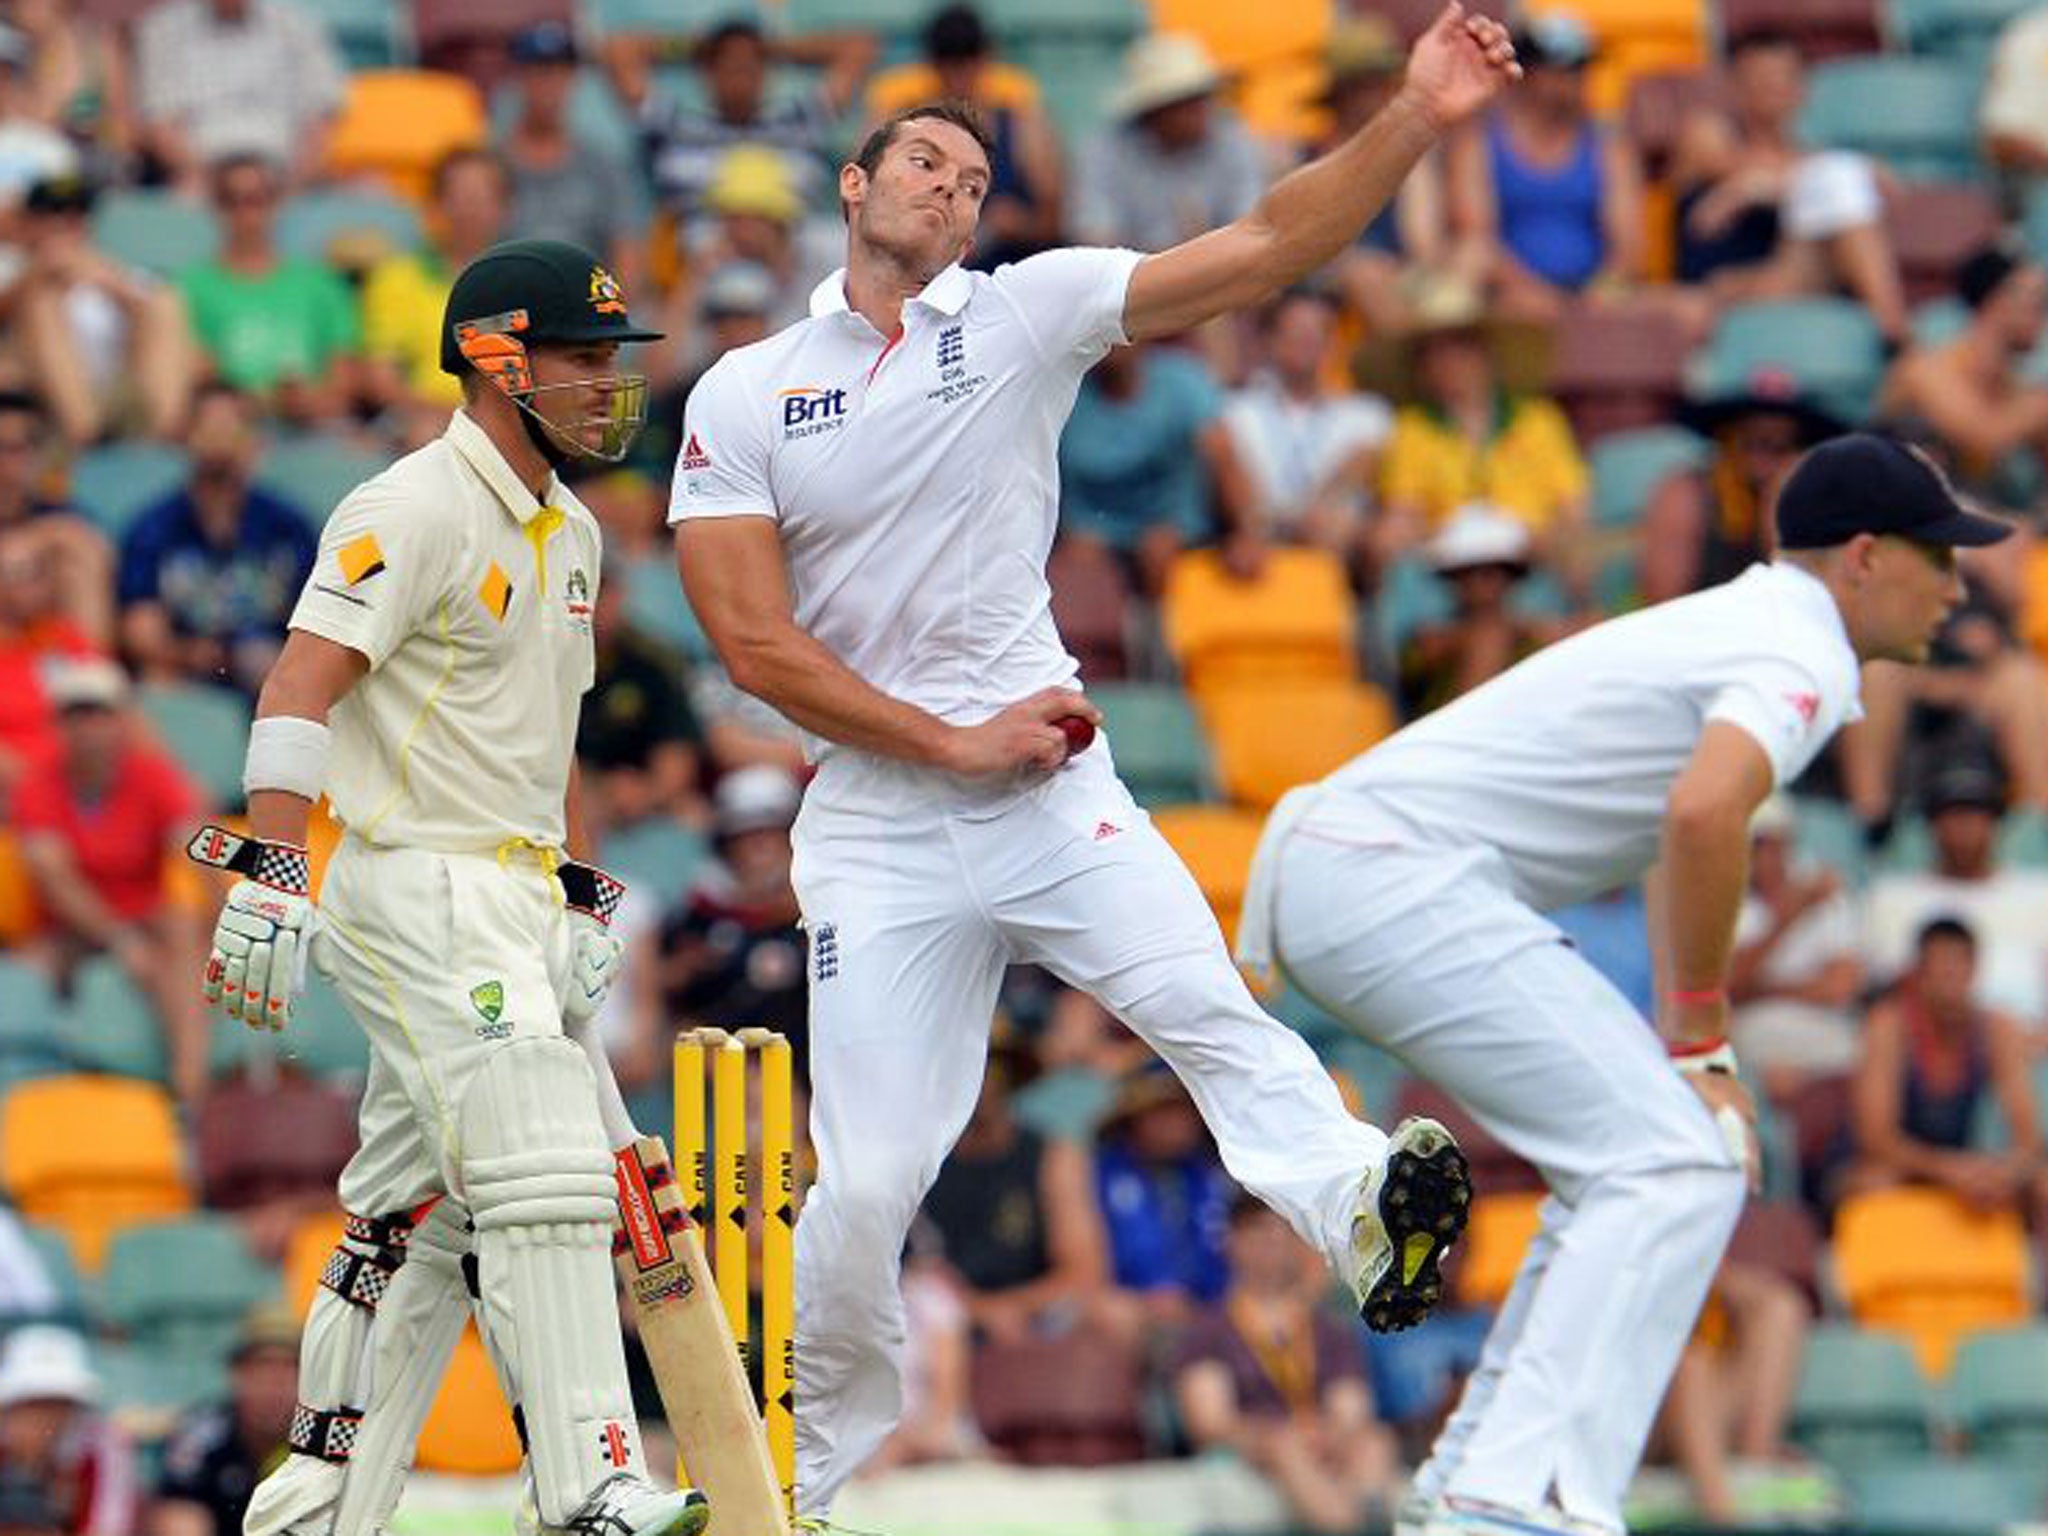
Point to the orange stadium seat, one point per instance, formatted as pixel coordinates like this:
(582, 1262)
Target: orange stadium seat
(88, 1155)
(469, 1429)
(1273, 50)
(1636, 37)
(1269, 737)
(20, 912)
(305, 1256)
(1297, 620)
(1921, 1263)
(397, 123)
(1216, 844)
(1500, 1231)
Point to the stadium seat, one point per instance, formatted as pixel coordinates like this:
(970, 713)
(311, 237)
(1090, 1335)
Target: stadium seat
(1617, 368)
(306, 1255)
(1861, 1398)
(660, 854)
(1069, 1401)
(1823, 29)
(1827, 832)
(206, 729)
(73, 1304)
(313, 471)
(149, 1386)
(31, 1025)
(280, 1136)
(1932, 1496)
(184, 1285)
(1161, 754)
(88, 1155)
(1829, 346)
(116, 483)
(1918, 1262)
(1295, 620)
(20, 908)
(1919, 116)
(323, 1038)
(660, 16)
(336, 225)
(1092, 609)
(155, 230)
(655, 606)
(111, 1027)
(1933, 227)
(1998, 1394)
(1499, 1233)
(1962, 30)
(1269, 737)
(1629, 466)
(398, 123)
(468, 38)
(1637, 37)
(365, 31)
(1216, 844)
(1272, 51)
(597, 118)
(469, 1429)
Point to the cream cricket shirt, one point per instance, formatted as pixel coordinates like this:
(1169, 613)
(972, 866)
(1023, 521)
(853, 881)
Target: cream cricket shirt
(915, 482)
(473, 603)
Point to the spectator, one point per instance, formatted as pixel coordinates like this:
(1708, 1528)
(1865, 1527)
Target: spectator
(1708, 525)
(2013, 113)
(733, 954)
(53, 1436)
(100, 830)
(209, 574)
(1175, 162)
(26, 1292)
(216, 1455)
(32, 149)
(1016, 1218)
(684, 145)
(81, 562)
(1365, 60)
(1964, 803)
(106, 345)
(1481, 554)
(78, 77)
(938, 1370)
(732, 307)
(1310, 451)
(1165, 1203)
(1281, 1382)
(639, 741)
(1971, 392)
(753, 214)
(280, 328)
(1797, 973)
(215, 78)
(1933, 1056)
(1143, 451)
(1553, 201)
(1020, 213)
(1759, 216)
(27, 1509)
(563, 188)
(405, 295)
(1467, 438)
(33, 632)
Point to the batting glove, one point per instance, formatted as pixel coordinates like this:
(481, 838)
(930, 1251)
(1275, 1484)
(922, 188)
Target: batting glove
(260, 944)
(593, 898)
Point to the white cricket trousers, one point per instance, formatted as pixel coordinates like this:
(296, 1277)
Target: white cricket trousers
(917, 891)
(1428, 954)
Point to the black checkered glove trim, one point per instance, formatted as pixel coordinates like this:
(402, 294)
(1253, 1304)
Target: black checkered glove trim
(284, 867)
(361, 1278)
(383, 1231)
(329, 1435)
(281, 866)
(589, 890)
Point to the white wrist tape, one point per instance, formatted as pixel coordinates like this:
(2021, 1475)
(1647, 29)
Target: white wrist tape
(287, 753)
(1720, 1059)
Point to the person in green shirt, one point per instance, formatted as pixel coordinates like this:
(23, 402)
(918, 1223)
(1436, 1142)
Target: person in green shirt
(279, 327)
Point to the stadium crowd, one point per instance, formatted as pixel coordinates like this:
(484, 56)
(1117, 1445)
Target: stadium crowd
(1559, 377)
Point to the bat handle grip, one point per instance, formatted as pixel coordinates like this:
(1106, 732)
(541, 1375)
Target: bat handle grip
(619, 1129)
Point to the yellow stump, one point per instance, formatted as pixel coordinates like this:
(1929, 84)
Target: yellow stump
(692, 1151)
(778, 1254)
(729, 1183)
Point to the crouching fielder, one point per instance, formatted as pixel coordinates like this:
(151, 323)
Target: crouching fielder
(430, 686)
(1406, 892)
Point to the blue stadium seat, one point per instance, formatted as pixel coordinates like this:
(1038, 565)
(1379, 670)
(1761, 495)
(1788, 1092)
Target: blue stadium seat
(159, 232)
(206, 729)
(1998, 1394)
(31, 1026)
(1157, 741)
(1929, 1496)
(1830, 346)
(1628, 466)
(116, 483)
(1917, 115)
(151, 1384)
(1861, 1400)
(314, 470)
(110, 1026)
(661, 855)
(185, 1284)
(1961, 30)
(312, 220)
(73, 1295)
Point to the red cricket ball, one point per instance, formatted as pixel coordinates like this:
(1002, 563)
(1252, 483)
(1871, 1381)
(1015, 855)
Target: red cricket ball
(1079, 731)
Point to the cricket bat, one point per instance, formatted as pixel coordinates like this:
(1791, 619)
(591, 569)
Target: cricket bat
(660, 1257)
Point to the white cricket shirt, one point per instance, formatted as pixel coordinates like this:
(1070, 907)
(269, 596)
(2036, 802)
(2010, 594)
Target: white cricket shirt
(1564, 762)
(915, 481)
(472, 601)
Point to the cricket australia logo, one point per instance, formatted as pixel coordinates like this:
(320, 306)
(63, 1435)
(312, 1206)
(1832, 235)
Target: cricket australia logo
(955, 383)
(808, 411)
(824, 951)
(488, 999)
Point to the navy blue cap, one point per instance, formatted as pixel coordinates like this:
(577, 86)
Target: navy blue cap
(1864, 483)
(545, 42)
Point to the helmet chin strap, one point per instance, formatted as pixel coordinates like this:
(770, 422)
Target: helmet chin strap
(541, 435)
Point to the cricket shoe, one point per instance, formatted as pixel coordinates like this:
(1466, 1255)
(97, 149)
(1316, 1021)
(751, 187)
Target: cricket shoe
(1410, 1209)
(625, 1505)
(1453, 1516)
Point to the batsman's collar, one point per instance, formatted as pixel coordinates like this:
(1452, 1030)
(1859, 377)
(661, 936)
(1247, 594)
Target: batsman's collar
(474, 446)
(947, 293)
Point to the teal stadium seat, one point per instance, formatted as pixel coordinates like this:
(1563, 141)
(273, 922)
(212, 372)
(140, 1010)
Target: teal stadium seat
(1929, 1496)
(660, 855)
(152, 1384)
(157, 231)
(666, 17)
(309, 223)
(1628, 466)
(31, 1026)
(206, 729)
(73, 1299)
(110, 1026)
(365, 31)
(1830, 346)
(1998, 1394)
(1827, 832)
(1917, 115)
(1160, 751)
(116, 483)
(184, 1285)
(1861, 1399)
(596, 115)
(314, 471)
(655, 606)
(324, 1037)
(1965, 31)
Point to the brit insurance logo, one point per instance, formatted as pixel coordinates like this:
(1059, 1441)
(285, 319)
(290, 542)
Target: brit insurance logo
(808, 411)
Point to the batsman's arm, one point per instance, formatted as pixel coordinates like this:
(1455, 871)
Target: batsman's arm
(311, 675)
(1307, 217)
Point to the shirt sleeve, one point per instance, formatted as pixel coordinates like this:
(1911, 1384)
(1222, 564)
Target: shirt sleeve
(1072, 300)
(2012, 89)
(341, 330)
(381, 569)
(39, 803)
(141, 554)
(722, 470)
(320, 83)
(1786, 708)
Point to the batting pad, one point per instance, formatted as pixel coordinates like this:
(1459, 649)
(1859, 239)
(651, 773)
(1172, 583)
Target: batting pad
(538, 1176)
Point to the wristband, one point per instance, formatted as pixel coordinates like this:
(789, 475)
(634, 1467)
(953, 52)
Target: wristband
(1710, 1055)
(589, 890)
(288, 754)
(1694, 997)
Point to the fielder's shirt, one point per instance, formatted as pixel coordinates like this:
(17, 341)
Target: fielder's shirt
(1564, 762)
(472, 601)
(914, 481)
